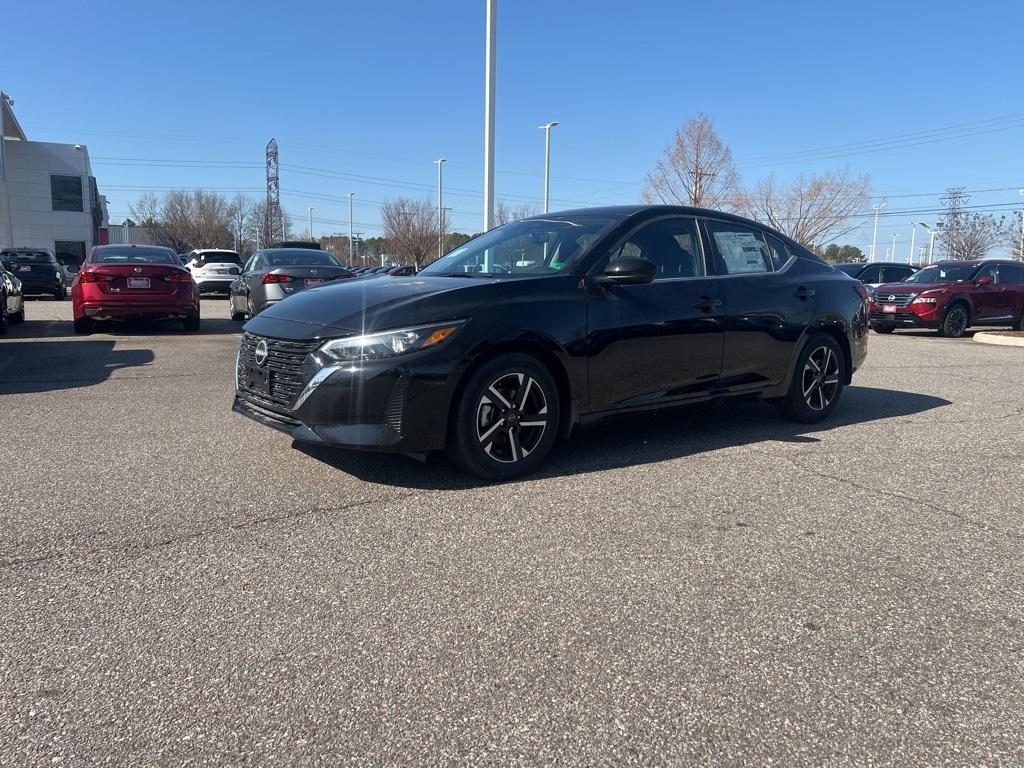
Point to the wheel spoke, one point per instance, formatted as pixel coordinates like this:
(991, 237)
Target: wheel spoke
(821, 397)
(513, 443)
(533, 423)
(831, 380)
(500, 397)
(488, 436)
(810, 361)
(524, 393)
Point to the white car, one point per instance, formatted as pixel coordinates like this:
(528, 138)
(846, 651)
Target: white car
(213, 270)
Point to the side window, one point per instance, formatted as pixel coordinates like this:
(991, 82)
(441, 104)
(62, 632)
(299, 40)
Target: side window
(1011, 274)
(249, 264)
(671, 244)
(740, 250)
(778, 250)
(895, 274)
(872, 275)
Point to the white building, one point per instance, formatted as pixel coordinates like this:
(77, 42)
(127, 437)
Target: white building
(48, 195)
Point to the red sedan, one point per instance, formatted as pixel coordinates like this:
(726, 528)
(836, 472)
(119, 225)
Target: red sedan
(133, 282)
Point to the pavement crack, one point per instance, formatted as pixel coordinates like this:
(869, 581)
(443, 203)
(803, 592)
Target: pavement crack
(168, 541)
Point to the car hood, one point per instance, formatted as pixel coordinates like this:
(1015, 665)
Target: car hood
(886, 288)
(363, 306)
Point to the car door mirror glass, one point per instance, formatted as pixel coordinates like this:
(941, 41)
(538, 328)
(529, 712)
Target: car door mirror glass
(984, 280)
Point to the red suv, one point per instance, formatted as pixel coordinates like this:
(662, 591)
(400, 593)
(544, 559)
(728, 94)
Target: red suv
(128, 282)
(950, 296)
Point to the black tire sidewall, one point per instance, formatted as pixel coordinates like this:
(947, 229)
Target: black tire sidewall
(4, 318)
(464, 447)
(944, 328)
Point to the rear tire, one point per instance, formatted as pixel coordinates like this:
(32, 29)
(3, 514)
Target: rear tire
(190, 323)
(955, 321)
(505, 419)
(817, 381)
(235, 314)
(60, 295)
(84, 325)
(4, 321)
(19, 316)
(882, 328)
(1018, 324)
(250, 308)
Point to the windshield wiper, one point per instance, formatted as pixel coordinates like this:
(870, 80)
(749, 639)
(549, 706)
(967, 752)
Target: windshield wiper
(461, 274)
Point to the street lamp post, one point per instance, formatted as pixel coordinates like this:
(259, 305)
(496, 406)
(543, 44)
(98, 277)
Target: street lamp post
(311, 225)
(489, 83)
(1021, 255)
(874, 237)
(931, 240)
(350, 249)
(440, 208)
(892, 253)
(913, 237)
(547, 159)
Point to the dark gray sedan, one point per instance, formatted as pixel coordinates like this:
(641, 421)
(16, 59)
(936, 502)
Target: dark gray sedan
(274, 274)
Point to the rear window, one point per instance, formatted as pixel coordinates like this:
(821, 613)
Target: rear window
(294, 257)
(134, 256)
(27, 257)
(225, 257)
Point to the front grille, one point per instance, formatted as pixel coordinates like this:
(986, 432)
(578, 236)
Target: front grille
(896, 299)
(285, 364)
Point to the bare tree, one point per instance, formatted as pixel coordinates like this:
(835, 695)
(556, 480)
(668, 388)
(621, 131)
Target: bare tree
(504, 213)
(966, 234)
(410, 227)
(812, 209)
(695, 169)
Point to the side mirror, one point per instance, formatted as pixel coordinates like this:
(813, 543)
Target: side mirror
(628, 270)
(983, 281)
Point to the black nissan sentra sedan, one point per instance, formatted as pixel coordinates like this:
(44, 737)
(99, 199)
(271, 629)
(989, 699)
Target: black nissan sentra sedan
(556, 321)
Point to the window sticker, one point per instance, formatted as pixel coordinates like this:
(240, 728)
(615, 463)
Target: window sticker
(742, 251)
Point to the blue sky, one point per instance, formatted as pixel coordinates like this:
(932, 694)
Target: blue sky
(364, 96)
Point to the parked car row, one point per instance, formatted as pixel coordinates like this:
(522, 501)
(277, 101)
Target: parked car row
(38, 269)
(12, 301)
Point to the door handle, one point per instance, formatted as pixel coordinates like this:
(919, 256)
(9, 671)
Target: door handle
(707, 303)
(804, 293)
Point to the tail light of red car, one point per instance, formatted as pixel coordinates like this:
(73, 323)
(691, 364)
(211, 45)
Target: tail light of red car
(272, 278)
(178, 277)
(89, 276)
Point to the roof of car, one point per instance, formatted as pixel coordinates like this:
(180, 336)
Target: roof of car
(875, 264)
(628, 211)
(971, 262)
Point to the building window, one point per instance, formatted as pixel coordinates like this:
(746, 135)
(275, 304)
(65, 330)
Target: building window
(66, 192)
(70, 252)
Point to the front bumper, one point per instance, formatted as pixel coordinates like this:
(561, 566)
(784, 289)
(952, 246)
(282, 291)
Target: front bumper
(929, 316)
(398, 405)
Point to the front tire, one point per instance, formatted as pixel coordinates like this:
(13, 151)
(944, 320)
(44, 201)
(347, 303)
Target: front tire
(4, 320)
(882, 327)
(505, 419)
(955, 322)
(19, 316)
(817, 381)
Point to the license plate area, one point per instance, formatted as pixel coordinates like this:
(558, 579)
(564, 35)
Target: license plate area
(890, 308)
(138, 282)
(310, 282)
(258, 380)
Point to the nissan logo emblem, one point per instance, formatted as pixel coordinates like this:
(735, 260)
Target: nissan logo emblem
(262, 353)
(138, 269)
(892, 297)
(312, 271)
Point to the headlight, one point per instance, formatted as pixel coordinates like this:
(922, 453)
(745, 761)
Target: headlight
(929, 297)
(401, 341)
(59, 276)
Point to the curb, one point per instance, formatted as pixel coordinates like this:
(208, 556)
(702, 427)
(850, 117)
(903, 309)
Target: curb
(986, 337)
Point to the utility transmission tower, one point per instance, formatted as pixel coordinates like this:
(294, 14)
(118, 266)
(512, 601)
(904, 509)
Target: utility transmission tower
(274, 224)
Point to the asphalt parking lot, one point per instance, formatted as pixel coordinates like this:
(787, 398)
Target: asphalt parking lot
(179, 585)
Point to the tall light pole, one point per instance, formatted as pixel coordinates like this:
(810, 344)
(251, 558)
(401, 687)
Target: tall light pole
(311, 225)
(489, 82)
(440, 208)
(913, 237)
(350, 250)
(931, 240)
(547, 159)
(874, 237)
(892, 254)
(1021, 193)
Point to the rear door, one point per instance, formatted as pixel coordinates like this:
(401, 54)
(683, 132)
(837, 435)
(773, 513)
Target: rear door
(659, 342)
(1012, 277)
(769, 303)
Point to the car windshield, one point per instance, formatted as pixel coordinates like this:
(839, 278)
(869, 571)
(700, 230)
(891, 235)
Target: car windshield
(26, 257)
(528, 247)
(850, 269)
(943, 273)
(134, 256)
(296, 257)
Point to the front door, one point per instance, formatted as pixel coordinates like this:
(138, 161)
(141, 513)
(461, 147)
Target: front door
(992, 301)
(662, 341)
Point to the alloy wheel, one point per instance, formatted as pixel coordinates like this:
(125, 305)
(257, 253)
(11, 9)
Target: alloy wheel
(957, 321)
(511, 417)
(820, 379)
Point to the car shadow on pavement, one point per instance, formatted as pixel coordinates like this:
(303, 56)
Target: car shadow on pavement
(45, 366)
(634, 440)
